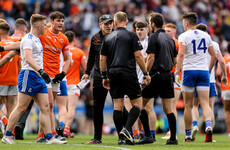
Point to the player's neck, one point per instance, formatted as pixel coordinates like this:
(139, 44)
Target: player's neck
(4, 37)
(142, 39)
(191, 27)
(19, 32)
(53, 30)
(35, 32)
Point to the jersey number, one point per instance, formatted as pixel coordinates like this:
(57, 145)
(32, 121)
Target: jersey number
(201, 46)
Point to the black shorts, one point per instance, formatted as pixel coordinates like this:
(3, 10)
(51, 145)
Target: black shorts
(161, 85)
(124, 82)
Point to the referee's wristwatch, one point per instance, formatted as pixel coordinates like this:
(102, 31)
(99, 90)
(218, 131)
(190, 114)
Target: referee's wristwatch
(146, 73)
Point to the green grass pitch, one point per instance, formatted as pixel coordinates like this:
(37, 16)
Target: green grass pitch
(110, 142)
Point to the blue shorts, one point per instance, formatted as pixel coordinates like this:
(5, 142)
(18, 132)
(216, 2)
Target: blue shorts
(63, 89)
(212, 90)
(194, 78)
(30, 83)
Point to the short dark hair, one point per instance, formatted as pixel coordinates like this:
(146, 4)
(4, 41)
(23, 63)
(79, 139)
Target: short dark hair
(57, 15)
(35, 18)
(20, 22)
(70, 35)
(141, 24)
(191, 17)
(156, 18)
(5, 27)
(202, 27)
(134, 26)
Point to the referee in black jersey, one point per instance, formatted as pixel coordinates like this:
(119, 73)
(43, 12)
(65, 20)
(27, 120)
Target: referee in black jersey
(99, 92)
(119, 53)
(160, 61)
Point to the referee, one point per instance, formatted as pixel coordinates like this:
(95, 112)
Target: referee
(160, 61)
(119, 53)
(99, 92)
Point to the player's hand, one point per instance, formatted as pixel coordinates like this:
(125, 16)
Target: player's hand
(59, 77)
(177, 79)
(1, 48)
(85, 76)
(146, 81)
(224, 80)
(105, 83)
(44, 76)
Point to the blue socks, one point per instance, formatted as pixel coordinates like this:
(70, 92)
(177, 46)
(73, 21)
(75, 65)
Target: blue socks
(8, 133)
(48, 136)
(194, 123)
(153, 132)
(62, 124)
(208, 124)
(188, 132)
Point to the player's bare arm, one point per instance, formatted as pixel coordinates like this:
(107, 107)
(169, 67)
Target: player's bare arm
(30, 60)
(150, 61)
(66, 62)
(7, 58)
(140, 61)
(222, 63)
(105, 81)
(212, 53)
(14, 46)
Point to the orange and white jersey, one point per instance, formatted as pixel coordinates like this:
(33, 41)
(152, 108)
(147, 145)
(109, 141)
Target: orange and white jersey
(227, 61)
(73, 74)
(53, 44)
(174, 68)
(16, 37)
(9, 71)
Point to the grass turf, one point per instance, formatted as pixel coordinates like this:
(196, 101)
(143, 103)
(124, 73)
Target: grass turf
(110, 142)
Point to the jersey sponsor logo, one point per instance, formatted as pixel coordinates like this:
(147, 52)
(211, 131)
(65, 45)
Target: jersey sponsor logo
(48, 37)
(30, 36)
(53, 49)
(30, 90)
(96, 41)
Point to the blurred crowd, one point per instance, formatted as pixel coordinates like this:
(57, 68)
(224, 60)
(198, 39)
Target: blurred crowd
(82, 15)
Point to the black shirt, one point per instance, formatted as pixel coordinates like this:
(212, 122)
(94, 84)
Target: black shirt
(94, 57)
(163, 46)
(119, 47)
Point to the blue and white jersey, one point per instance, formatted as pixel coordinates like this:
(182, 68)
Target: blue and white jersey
(197, 43)
(217, 50)
(144, 44)
(33, 43)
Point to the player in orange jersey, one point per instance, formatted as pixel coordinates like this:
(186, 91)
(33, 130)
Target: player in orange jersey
(20, 29)
(225, 90)
(170, 29)
(73, 78)
(8, 75)
(54, 43)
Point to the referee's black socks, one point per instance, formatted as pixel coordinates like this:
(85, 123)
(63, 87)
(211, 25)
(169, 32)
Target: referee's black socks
(145, 122)
(132, 117)
(172, 125)
(117, 119)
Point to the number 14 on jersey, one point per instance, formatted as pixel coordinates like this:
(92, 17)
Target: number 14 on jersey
(201, 46)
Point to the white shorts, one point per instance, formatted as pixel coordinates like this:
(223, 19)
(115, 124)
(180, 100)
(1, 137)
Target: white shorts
(6, 90)
(176, 86)
(55, 86)
(225, 95)
(72, 89)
